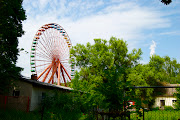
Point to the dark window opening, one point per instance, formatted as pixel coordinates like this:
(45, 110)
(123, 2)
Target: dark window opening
(16, 93)
(43, 95)
(162, 103)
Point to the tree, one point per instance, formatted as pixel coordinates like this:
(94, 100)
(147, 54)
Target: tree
(11, 16)
(167, 69)
(104, 67)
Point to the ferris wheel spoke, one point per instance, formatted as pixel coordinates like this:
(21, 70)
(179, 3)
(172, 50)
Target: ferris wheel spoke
(44, 71)
(46, 74)
(46, 50)
(66, 72)
(55, 43)
(43, 60)
(63, 76)
(54, 70)
(64, 62)
(59, 73)
(63, 49)
(65, 59)
(42, 56)
(46, 42)
(42, 52)
(42, 65)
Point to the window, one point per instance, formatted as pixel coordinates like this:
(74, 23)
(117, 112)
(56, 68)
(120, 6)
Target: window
(43, 95)
(173, 101)
(16, 93)
(162, 103)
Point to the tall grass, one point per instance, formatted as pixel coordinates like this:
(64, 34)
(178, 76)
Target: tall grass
(158, 115)
(18, 115)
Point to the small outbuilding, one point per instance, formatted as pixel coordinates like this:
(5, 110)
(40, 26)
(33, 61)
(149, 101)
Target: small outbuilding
(28, 94)
(167, 99)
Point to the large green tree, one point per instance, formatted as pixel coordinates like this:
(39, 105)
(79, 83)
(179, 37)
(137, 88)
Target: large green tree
(104, 67)
(167, 69)
(11, 16)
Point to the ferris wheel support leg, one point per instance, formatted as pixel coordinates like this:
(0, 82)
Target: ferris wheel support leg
(54, 70)
(46, 74)
(59, 73)
(44, 71)
(66, 72)
(63, 76)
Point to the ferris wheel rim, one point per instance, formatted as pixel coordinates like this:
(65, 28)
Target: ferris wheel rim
(44, 55)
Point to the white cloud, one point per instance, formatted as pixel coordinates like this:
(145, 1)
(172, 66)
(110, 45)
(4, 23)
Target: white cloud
(92, 22)
(152, 48)
(170, 33)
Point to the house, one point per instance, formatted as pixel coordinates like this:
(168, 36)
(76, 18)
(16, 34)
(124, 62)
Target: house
(167, 99)
(27, 94)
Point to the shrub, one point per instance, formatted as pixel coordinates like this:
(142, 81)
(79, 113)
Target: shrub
(155, 109)
(61, 106)
(168, 108)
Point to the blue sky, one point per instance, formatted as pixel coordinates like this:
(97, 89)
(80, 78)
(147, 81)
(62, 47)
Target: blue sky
(146, 24)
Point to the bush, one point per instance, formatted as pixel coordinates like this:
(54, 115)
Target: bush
(61, 106)
(177, 104)
(18, 115)
(168, 108)
(155, 109)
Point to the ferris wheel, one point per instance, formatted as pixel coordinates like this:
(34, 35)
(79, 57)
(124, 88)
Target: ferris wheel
(50, 55)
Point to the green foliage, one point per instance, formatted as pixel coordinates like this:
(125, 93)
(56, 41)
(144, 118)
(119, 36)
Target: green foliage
(167, 70)
(155, 109)
(158, 115)
(168, 108)
(11, 16)
(107, 69)
(18, 115)
(104, 67)
(62, 106)
(8, 73)
(177, 103)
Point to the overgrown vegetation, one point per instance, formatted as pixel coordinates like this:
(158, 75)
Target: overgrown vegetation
(11, 16)
(158, 115)
(107, 69)
(18, 115)
(62, 106)
(177, 104)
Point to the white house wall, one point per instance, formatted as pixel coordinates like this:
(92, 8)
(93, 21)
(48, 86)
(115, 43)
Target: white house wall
(36, 97)
(168, 101)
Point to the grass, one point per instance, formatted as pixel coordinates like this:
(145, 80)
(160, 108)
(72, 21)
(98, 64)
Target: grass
(18, 115)
(150, 115)
(158, 115)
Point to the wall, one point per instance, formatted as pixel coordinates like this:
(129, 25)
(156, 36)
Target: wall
(20, 102)
(38, 92)
(168, 101)
(25, 88)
